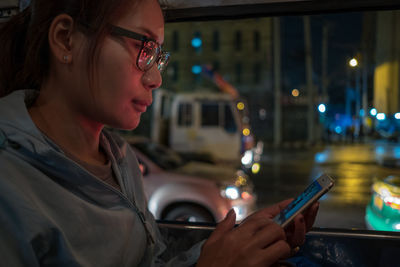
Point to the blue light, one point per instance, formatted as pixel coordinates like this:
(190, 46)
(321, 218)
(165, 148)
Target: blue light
(373, 112)
(361, 112)
(322, 108)
(397, 152)
(381, 116)
(196, 42)
(196, 69)
(338, 129)
(321, 157)
(397, 116)
(380, 150)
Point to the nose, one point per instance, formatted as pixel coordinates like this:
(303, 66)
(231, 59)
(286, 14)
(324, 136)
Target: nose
(151, 78)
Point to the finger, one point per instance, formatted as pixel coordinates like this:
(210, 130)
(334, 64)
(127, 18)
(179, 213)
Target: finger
(224, 226)
(253, 225)
(296, 234)
(268, 235)
(273, 253)
(310, 215)
(272, 211)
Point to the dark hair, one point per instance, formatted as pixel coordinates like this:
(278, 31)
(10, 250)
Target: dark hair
(24, 48)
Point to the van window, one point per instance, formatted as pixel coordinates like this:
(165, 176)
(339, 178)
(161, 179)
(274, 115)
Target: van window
(229, 120)
(209, 114)
(185, 114)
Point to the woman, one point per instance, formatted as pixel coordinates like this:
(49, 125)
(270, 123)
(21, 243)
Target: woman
(70, 192)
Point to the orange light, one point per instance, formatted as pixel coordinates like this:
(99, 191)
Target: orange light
(246, 195)
(295, 93)
(246, 132)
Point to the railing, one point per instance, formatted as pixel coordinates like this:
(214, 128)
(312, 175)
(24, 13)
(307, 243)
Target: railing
(323, 247)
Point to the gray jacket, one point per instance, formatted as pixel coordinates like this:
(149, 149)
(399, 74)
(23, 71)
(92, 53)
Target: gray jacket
(55, 213)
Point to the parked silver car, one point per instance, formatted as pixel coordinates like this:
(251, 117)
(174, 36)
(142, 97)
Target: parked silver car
(191, 191)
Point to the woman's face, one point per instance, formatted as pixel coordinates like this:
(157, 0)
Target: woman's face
(122, 92)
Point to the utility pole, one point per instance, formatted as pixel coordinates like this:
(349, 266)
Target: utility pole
(358, 101)
(325, 30)
(310, 87)
(277, 83)
(364, 66)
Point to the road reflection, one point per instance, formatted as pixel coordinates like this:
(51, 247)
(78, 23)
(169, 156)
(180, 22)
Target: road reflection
(354, 167)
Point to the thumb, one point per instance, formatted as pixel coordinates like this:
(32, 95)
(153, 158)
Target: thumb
(224, 226)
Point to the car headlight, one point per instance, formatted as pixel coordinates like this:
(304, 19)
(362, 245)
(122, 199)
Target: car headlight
(231, 192)
(247, 158)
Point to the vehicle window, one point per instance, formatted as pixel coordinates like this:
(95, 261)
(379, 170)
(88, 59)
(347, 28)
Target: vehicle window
(185, 114)
(229, 120)
(210, 114)
(322, 92)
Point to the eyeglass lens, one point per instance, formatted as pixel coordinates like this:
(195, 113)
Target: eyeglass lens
(149, 54)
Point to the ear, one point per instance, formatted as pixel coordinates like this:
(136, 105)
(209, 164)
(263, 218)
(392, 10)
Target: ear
(60, 38)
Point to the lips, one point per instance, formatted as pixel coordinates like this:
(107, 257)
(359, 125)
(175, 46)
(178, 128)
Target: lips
(140, 105)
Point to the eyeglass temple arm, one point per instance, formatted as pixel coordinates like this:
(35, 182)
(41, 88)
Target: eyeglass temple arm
(133, 35)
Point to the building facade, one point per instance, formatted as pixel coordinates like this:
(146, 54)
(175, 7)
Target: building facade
(387, 71)
(240, 51)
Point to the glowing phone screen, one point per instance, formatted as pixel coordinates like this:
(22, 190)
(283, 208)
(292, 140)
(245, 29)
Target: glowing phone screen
(301, 200)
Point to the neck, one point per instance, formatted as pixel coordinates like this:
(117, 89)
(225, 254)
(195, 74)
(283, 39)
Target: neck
(74, 133)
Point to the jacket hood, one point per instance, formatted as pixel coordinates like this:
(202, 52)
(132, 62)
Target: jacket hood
(16, 123)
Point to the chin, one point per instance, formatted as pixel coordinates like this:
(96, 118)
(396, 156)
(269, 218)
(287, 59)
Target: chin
(124, 121)
(129, 125)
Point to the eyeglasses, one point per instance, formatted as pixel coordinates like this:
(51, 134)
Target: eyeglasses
(150, 51)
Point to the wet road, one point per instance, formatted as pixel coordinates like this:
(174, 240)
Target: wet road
(286, 173)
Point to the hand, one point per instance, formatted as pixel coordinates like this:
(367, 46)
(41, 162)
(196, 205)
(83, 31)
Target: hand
(258, 241)
(302, 223)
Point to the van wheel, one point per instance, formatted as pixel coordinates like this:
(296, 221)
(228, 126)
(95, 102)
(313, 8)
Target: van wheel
(188, 213)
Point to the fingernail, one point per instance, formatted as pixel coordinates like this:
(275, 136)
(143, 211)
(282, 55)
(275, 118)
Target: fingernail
(230, 213)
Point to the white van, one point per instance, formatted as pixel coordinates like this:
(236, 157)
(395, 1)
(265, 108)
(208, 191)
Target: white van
(200, 122)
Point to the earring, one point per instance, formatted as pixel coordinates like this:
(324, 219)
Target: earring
(65, 58)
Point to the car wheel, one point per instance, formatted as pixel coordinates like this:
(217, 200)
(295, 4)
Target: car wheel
(188, 213)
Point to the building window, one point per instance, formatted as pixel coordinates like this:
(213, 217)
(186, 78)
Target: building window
(216, 66)
(256, 41)
(175, 71)
(257, 73)
(175, 41)
(238, 40)
(238, 71)
(215, 41)
(197, 42)
(185, 114)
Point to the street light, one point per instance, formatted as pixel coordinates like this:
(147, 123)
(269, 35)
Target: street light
(373, 112)
(322, 108)
(353, 62)
(381, 116)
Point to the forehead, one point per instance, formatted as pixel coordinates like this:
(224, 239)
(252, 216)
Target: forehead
(144, 17)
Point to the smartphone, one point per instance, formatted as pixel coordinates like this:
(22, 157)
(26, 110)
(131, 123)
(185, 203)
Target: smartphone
(312, 193)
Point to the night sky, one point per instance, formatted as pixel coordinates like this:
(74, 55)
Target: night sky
(344, 38)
